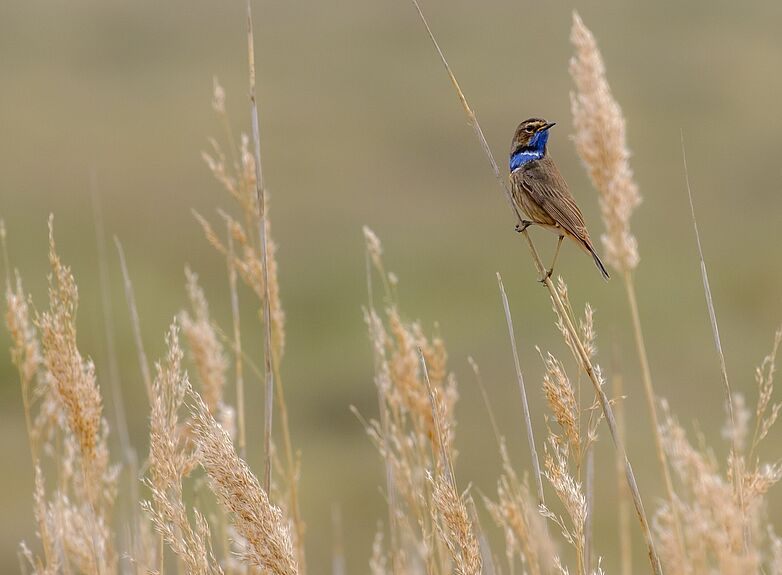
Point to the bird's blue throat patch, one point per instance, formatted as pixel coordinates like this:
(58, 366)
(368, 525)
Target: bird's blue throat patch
(535, 150)
(524, 157)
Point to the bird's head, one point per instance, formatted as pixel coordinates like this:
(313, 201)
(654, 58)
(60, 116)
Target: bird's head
(531, 135)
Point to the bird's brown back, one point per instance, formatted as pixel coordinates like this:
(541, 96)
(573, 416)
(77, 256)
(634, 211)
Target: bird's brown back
(545, 186)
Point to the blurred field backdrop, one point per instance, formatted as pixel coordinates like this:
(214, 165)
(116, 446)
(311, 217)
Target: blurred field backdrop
(360, 126)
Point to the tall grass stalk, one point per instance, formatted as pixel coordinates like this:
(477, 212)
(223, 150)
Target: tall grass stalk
(736, 456)
(583, 356)
(623, 505)
(135, 322)
(128, 452)
(261, 193)
(237, 347)
(523, 392)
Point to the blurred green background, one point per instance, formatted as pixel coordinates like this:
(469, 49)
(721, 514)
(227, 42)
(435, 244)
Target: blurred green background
(360, 126)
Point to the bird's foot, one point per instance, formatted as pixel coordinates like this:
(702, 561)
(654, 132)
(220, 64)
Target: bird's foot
(546, 276)
(520, 227)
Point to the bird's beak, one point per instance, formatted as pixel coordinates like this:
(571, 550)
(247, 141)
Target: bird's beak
(548, 126)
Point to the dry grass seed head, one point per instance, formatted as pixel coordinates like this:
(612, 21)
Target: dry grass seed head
(711, 512)
(562, 400)
(454, 526)
(262, 524)
(170, 460)
(25, 351)
(568, 491)
(601, 143)
(88, 482)
(207, 352)
(764, 378)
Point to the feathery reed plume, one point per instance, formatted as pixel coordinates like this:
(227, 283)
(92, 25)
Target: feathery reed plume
(582, 354)
(764, 378)
(73, 378)
(562, 399)
(454, 526)
(171, 458)
(74, 522)
(266, 536)
(25, 352)
(570, 494)
(207, 353)
(569, 451)
(601, 143)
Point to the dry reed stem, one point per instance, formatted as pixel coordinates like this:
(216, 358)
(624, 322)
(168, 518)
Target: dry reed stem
(586, 363)
(111, 345)
(129, 454)
(523, 392)
(262, 232)
(590, 508)
(625, 541)
(737, 474)
(602, 146)
(487, 559)
(237, 347)
(134, 321)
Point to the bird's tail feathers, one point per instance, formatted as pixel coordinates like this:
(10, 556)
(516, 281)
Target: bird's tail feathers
(599, 264)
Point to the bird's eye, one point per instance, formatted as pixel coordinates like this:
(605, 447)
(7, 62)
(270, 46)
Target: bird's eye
(529, 129)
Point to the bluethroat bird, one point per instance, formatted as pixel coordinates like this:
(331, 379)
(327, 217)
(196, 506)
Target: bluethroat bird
(541, 192)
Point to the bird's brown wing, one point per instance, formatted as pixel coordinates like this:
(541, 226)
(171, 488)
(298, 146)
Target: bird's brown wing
(548, 188)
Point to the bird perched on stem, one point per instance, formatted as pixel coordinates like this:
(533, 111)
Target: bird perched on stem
(542, 194)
